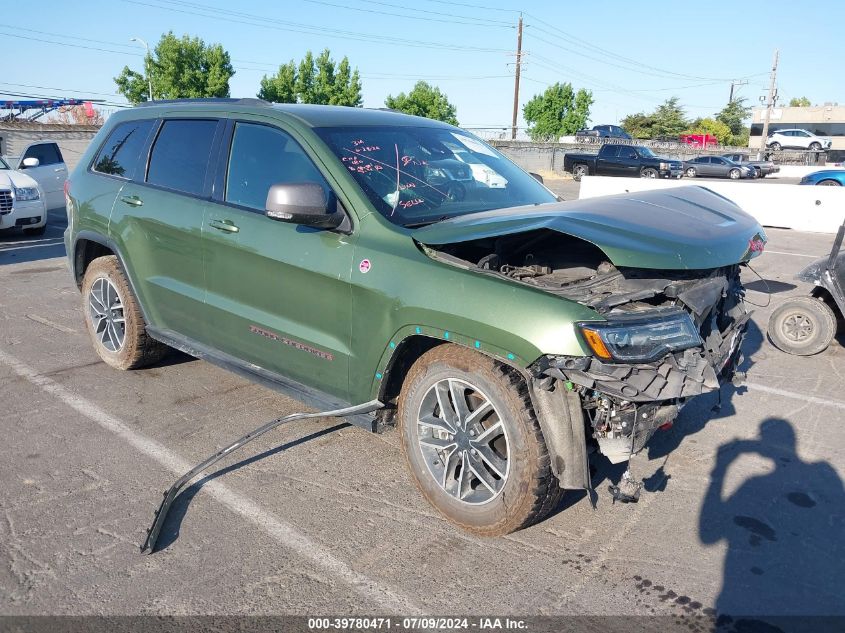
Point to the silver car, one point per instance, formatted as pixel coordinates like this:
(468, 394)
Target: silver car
(717, 167)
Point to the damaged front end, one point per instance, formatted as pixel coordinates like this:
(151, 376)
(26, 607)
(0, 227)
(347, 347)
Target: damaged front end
(667, 337)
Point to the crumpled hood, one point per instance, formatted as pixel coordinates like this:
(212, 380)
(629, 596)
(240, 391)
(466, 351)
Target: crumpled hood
(10, 178)
(670, 229)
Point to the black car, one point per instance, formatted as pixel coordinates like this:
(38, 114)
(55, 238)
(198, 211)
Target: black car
(603, 131)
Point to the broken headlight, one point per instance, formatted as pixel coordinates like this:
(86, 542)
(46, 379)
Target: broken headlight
(640, 339)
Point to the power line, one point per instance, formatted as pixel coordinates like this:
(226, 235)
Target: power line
(307, 29)
(472, 6)
(469, 19)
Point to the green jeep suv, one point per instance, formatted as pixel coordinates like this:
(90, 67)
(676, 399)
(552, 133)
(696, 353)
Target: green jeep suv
(345, 255)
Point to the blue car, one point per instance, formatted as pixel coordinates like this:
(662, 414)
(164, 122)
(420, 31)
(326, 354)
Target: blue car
(829, 177)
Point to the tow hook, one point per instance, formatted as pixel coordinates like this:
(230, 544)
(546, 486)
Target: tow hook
(171, 493)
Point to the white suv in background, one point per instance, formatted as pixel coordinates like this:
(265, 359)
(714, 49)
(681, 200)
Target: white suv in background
(22, 201)
(797, 139)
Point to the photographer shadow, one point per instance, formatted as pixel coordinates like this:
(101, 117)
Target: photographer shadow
(785, 533)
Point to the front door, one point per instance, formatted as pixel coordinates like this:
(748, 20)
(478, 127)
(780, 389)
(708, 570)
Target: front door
(278, 293)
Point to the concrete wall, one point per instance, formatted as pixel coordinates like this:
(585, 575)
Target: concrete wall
(799, 207)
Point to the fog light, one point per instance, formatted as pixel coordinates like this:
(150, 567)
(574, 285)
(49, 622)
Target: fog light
(34, 220)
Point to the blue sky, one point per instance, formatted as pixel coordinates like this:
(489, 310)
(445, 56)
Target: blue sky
(631, 57)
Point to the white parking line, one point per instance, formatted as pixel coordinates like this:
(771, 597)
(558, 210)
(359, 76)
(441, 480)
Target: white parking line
(42, 244)
(793, 254)
(284, 533)
(825, 402)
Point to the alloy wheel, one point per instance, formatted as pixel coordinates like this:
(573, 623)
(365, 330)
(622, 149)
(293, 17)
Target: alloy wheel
(106, 313)
(463, 441)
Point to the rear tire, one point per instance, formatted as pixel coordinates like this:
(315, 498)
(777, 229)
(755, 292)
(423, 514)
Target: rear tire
(113, 318)
(520, 488)
(803, 326)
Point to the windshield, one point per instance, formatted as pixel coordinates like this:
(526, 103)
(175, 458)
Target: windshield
(4, 164)
(419, 175)
(647, 153)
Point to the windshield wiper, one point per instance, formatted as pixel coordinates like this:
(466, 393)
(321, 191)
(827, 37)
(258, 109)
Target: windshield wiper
(416, 225)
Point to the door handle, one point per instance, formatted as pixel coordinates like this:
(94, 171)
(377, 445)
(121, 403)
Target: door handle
(132, 201)
(227, 226)
(59, 169)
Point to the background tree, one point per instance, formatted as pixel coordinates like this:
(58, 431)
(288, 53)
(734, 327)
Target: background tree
(734, 115)
(424, 100)
(180, 68)
(559, 111)
(318, 80)
(639, 125)
(799, 102)
(76, 115)
(669, 120)
(712, 127)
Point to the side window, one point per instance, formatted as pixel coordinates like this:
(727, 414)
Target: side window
(120, 153)
(262, 156)
(609, 151)
(180, 155)
(627, 152)
(46, 153)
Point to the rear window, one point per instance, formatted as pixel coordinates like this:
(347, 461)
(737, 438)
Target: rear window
(180, 155)
(120, 153)
(46, 153)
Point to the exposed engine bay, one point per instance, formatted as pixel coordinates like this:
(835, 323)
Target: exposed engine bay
(624, 402)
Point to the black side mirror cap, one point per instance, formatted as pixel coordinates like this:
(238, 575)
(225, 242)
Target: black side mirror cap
(301, 203)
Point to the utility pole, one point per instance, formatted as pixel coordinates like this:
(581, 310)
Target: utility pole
(769, 103)
(516, 77)
(736, 83)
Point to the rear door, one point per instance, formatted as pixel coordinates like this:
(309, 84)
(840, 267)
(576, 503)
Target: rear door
(51, 172)
(278, 293)
(158, 223)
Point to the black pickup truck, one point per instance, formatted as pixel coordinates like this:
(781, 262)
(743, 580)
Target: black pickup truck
(622, 160)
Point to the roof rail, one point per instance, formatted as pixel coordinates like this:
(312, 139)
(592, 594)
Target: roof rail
(233, 101)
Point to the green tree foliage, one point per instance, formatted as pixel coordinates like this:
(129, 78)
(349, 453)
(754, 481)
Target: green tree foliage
(712, 127)
(180, 68)
(318, 80)
(559, 111)
(424, 100)
(799, 102)
(639, 125)
(734, 116)
(667, 121)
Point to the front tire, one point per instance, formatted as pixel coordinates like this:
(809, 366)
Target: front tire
(829, 183)
(803, 326)
(648, 172)
(37, 231)
(473, 443)
(734, 174)
(775, 147)
(815, 147)
(690, 172)
(113, 318)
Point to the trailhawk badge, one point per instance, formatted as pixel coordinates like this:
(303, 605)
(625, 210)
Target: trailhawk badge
(364, 266)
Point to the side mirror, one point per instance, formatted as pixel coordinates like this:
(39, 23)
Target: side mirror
(301, 203)
(537, 177)
(30, 162)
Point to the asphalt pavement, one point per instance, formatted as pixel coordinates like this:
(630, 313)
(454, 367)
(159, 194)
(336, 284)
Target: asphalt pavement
(743, 512)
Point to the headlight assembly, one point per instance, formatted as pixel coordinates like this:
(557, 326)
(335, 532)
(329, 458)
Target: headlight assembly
(638, 338)
(26, 193)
